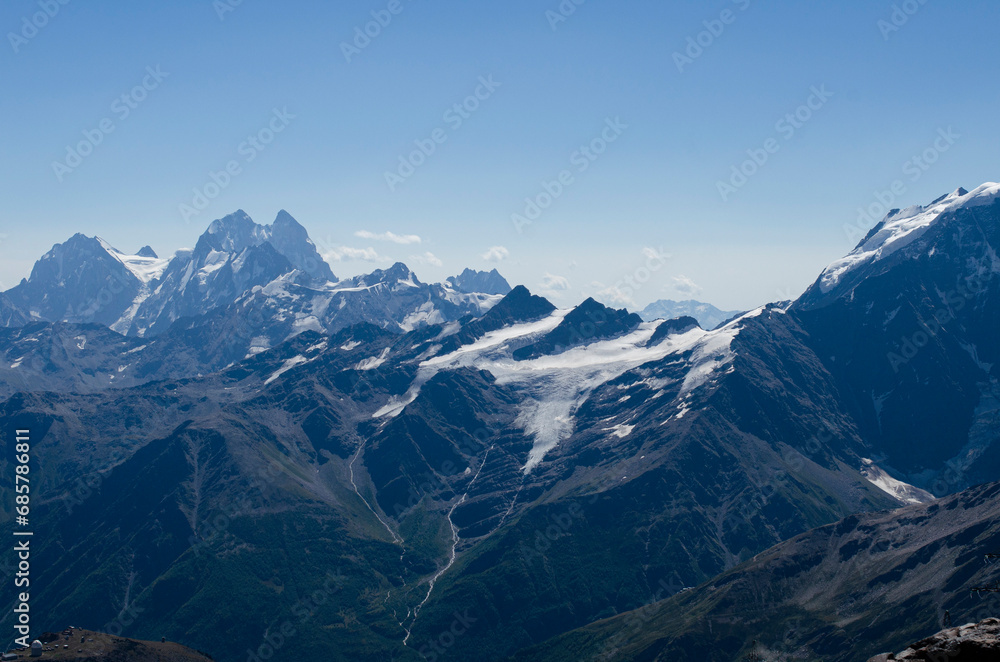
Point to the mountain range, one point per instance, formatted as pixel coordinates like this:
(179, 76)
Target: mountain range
(462, 470)
(707, 315)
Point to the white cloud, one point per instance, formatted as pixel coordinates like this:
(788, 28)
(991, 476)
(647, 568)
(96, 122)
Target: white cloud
(555, 283)
(686, 286)
(348, 253)
(428, 258)
(404, 239)
(496, 254)
(615, 296)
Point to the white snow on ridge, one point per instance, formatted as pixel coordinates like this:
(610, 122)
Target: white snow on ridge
(896, 488)
(288, 365)
(146, 269)
(374, 361)
(903, 229)
(555, 386)
(467, 355)
(714, 353)
(425, 314)
(621, 431)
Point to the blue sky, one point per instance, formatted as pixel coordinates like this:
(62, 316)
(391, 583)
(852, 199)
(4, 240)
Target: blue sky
(226, 69)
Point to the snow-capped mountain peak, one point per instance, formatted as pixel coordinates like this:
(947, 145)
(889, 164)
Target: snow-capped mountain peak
(234, 233)
(901, 228)
(237, 232)
(397, 274)
(292, 240)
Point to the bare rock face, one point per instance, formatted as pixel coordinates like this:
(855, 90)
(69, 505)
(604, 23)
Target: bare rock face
(968, 643)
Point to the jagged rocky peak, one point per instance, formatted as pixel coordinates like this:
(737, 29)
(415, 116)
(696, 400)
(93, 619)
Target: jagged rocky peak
(484, 282)
(147, 251)
(234, 233)
(284, 219)
(589, 322)
(238, 232)
(607, 320)
(79, 243)
(292, 240)
(81, 280)
(397, 273)
(518, 306)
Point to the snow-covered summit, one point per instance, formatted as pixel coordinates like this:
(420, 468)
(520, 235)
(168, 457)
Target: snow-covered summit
(901, 228)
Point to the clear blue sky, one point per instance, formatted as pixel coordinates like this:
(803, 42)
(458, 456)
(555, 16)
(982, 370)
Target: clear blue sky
(655, 186)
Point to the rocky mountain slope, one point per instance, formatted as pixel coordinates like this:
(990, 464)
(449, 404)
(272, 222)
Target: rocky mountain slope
(975, 642)
(907, 325)
(840, 592)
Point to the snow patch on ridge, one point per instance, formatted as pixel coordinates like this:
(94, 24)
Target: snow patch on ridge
(146, 269)
(621, 431)
(895, 488)
(374, 361)
(288, 365)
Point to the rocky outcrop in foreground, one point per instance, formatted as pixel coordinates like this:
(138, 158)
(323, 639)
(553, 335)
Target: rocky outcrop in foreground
(968, 643)
(76, 645)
